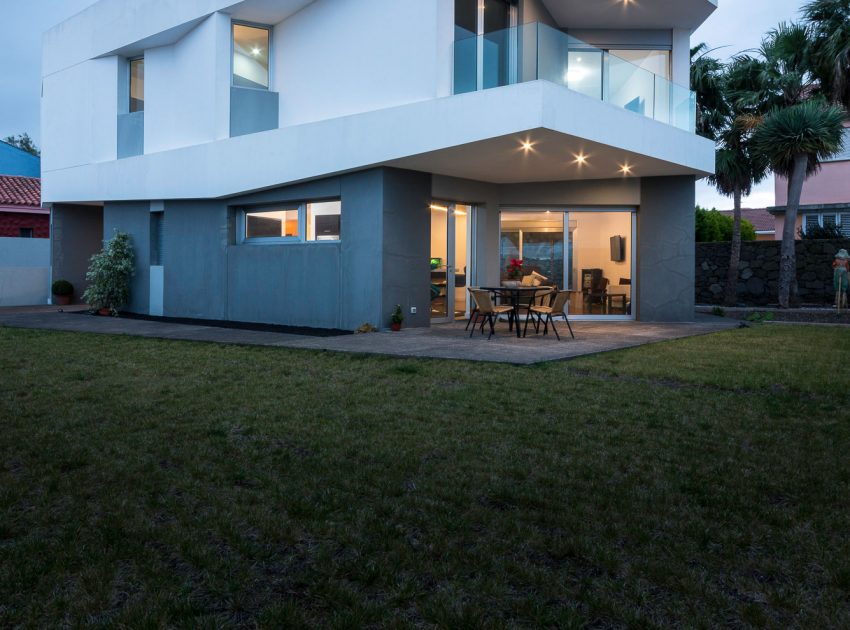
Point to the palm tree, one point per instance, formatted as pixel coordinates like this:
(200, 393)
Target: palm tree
(707, 82)
(737, 169)
(794, 140)
(796, 129)
(829, 21)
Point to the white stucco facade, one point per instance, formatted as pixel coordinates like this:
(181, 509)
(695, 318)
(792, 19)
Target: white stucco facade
(359, 83)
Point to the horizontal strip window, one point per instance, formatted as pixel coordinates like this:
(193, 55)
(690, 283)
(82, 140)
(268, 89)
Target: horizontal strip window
(306, 222)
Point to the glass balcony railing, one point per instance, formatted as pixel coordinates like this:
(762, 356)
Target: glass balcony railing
(535, 51)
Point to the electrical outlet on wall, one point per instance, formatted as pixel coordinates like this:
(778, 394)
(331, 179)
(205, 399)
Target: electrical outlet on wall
(413, 310)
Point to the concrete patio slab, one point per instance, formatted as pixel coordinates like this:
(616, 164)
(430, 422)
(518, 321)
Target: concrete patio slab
(447, 341)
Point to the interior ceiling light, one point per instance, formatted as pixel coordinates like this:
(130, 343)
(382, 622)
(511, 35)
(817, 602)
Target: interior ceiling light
(256, 52)
(439, 208)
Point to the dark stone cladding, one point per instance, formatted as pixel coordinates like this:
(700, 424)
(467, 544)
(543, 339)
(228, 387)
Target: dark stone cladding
(758, 280)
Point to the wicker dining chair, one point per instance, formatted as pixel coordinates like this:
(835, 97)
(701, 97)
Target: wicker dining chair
(545, 314)
(489, 311)
(474, 312)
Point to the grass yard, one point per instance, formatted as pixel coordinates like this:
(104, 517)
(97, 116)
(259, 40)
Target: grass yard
(696, 483)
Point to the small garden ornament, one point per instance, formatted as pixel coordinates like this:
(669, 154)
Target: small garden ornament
(841, 278)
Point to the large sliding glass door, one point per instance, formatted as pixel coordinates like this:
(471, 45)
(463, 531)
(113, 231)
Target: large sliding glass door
(588, 251)
(450, 256)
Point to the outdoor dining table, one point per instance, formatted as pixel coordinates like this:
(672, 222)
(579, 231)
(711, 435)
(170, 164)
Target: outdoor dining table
(515, 295)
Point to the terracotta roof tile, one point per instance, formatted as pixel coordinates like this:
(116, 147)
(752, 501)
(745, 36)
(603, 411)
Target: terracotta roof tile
(20, 191)
(761, 219)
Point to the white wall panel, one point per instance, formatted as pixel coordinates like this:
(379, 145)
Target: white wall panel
(79, 115)
(187, 93)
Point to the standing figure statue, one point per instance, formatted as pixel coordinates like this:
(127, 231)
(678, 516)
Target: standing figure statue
(841, 278)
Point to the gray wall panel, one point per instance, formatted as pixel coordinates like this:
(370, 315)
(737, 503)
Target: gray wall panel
(406, 244)
(666, 249)
(134, 219)
(195, 245)
(285, 284)
(76, 235)
(361, 270)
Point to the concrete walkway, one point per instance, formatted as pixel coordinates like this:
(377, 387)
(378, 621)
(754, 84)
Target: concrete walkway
(447, 341)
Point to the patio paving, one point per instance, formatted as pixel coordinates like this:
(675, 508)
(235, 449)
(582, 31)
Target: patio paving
(445, 341)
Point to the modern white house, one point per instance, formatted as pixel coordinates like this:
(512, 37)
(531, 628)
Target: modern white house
(316, 162)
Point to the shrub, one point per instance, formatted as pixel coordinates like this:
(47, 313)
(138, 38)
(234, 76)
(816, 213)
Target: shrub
(817, 232)
(718, 311)
(712, 225)
(109, 274)
(62, 287)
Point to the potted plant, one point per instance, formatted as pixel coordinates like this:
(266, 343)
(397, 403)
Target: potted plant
(514, 272)
(396, 319)
(63, 292)
(109, 276)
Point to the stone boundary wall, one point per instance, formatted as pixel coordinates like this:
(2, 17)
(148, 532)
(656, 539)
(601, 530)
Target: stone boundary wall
(759, 271)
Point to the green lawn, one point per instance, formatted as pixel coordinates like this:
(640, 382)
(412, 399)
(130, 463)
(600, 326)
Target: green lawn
(697, 483)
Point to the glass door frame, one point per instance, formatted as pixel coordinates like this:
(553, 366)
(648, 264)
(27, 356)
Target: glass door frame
(451, 251)
(567, 211)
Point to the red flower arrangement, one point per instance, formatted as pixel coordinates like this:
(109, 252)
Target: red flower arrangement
(515, 269)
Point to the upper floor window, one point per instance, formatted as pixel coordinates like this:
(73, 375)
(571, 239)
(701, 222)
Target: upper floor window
(137, 85)
(251, 56)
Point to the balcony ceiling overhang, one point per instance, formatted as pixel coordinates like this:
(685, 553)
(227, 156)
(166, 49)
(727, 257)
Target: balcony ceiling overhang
(630, 14)
(552, 157)
(479, 135)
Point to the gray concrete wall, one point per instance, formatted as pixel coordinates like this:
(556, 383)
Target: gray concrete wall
(195, 239)
(209, 275)
(406, 243)
(75, 236)
(252, 111)
(24, 271)
(134, 219)
(666, 255)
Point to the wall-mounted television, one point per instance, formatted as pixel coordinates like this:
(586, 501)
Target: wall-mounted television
(618, 248)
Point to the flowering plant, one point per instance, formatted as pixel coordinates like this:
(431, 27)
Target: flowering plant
(515, 269)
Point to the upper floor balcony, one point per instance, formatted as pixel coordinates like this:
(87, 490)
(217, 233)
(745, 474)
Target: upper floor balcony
(535, 51)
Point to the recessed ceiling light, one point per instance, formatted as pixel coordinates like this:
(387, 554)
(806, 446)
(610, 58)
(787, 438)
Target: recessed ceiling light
(626, 169)
(581, 159)
(526, 145)
(256, 52)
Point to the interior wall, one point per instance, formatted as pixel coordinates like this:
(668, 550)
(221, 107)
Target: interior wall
(592, 244)
(535, 11)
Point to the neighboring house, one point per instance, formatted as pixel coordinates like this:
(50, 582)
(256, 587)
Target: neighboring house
(316, 162)
(762, 221)
(21, 214)
(15, 161)
(826, 195)
(24, 244)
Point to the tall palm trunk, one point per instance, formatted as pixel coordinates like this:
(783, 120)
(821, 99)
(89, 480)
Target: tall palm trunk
(788, 256)
(731, 297)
